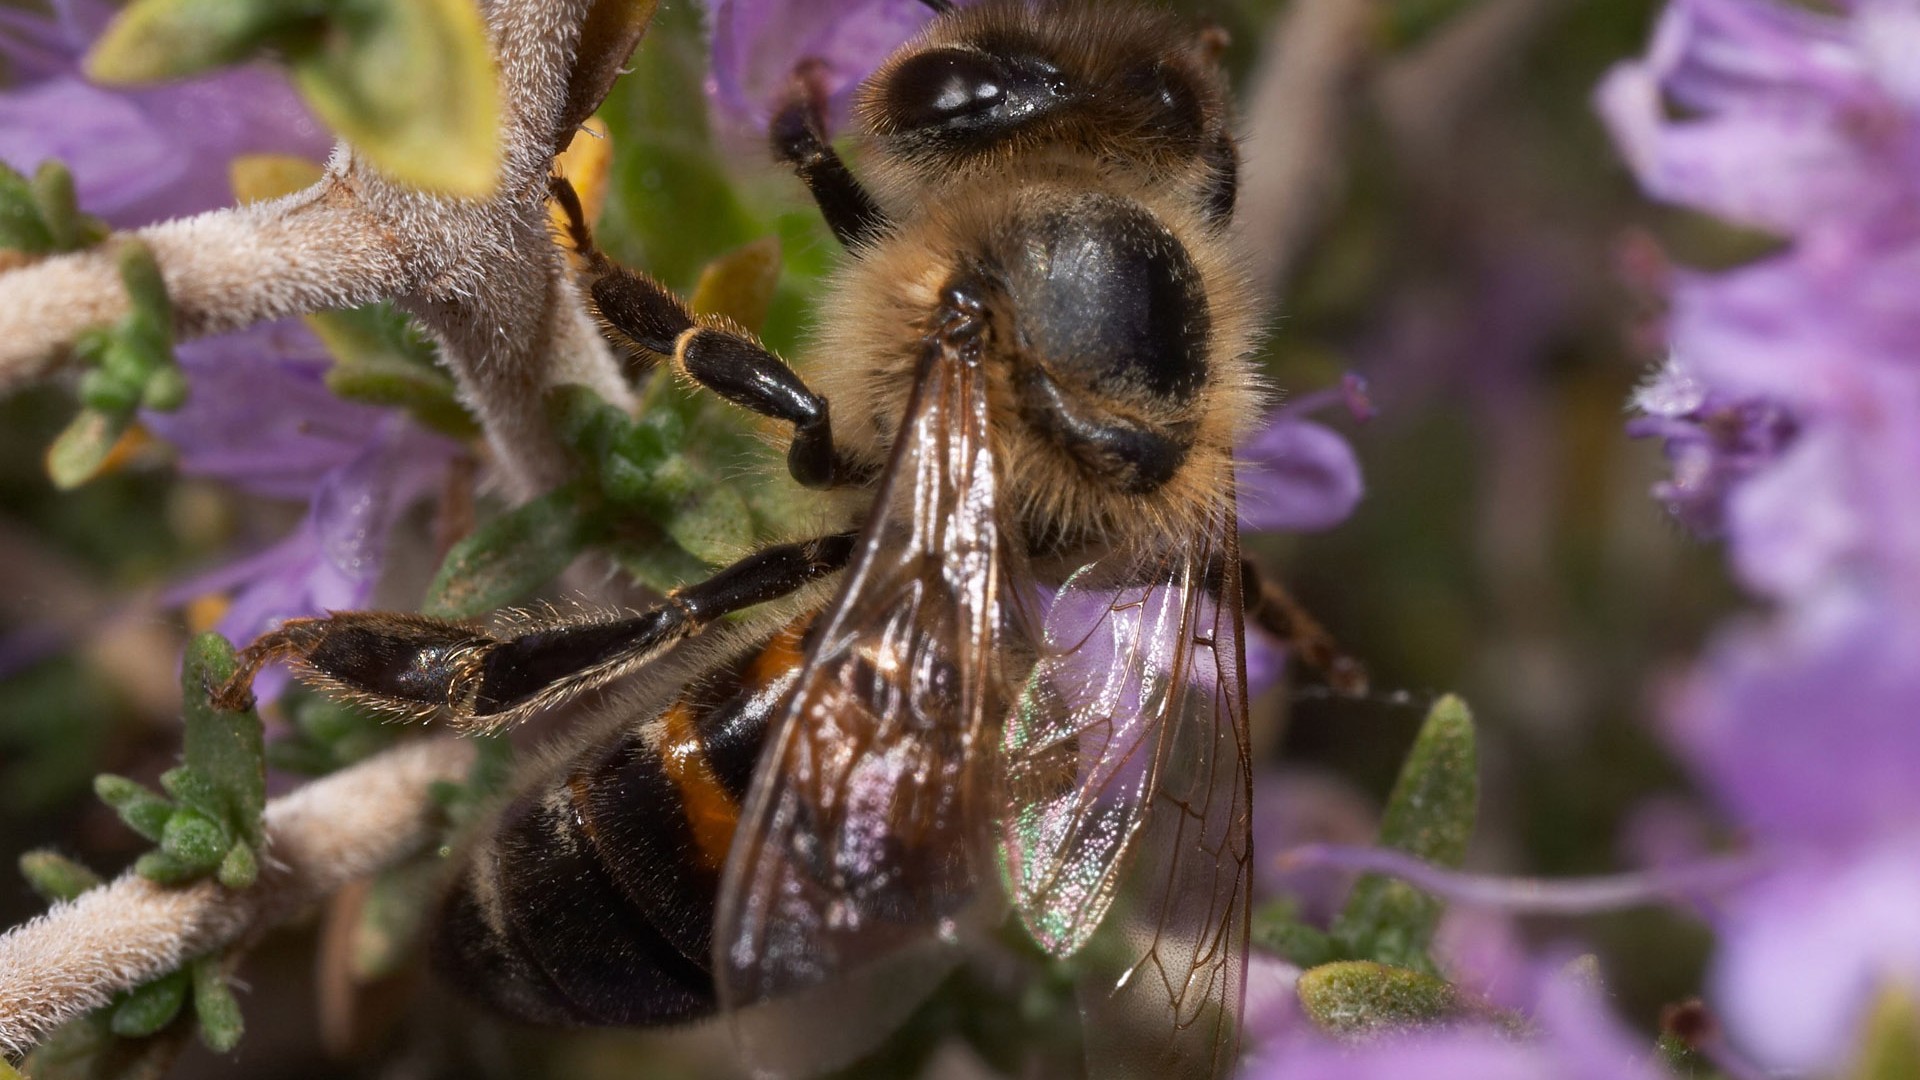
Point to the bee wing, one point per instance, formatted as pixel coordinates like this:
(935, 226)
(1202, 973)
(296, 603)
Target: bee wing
(1129, 844)
(865, 846)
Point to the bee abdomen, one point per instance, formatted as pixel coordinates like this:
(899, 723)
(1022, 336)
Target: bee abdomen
(594, 902)
(540, 930)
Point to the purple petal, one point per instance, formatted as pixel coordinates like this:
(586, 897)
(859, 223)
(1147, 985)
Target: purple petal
(1297, 475)
(757, 44)
(1805, 952)
(1805, 731)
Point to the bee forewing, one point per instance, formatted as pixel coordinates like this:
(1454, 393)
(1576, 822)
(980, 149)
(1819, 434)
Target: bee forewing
(864, 853)
(1128, 843)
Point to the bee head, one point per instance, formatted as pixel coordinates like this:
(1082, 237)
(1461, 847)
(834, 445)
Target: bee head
(1129, 86)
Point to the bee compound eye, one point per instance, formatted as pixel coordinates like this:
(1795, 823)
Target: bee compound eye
(936, 88)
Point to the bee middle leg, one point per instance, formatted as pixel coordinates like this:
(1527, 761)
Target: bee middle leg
(798, 133)
(424, 667)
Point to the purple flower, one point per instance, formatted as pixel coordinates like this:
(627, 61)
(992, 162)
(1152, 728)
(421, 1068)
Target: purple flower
(1577, 1039)
(1295, 475)
(332, 561)
(1791, 410)
(1712, 443)
(143, 155)
(757, 44)
(258, 414)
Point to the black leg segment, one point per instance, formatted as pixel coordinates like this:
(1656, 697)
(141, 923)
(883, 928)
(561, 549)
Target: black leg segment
(424, 667)
(850, 211)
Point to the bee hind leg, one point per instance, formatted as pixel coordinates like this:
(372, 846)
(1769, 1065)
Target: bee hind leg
(422, 667)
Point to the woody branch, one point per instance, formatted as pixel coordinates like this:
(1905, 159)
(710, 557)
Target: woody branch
(74, 958)
(484, 276)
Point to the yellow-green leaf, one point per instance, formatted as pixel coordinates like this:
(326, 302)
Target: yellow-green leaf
(412, 86)
(259, 177)
(154, 40)
(740, 284)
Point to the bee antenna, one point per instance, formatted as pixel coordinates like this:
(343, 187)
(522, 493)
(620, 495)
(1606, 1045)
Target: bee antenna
(940, 7)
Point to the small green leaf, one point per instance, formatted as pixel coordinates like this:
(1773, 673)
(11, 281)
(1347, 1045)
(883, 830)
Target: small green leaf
(147, 1009)
(164, 869)
(1359, 997)
(740, 284)
(8, 1072)
(54, 876)
(146, 287)
(1430, 814)
(21, 226)
(155, 40)
(59, 207)
(1277, 929)
(225, 748)
(194, 839)
(240, 868)
(144, 812)
(80, 450)
(509, 557)
(214, 1006)
(412, 86)
(1891, 1049)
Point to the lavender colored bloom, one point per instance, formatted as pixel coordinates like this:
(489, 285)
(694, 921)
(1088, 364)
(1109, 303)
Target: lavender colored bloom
(1577, 1039)
(1712, 443)
(1295, 475)
(332, 561)
(1791, 411)
(757, 44)
(143, 155)
(258, 414)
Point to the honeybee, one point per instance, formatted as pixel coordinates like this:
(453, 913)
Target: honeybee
(1011, 680)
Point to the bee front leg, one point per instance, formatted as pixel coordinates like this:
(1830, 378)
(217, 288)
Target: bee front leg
(798, 132)
(422, 667)
(731, 363)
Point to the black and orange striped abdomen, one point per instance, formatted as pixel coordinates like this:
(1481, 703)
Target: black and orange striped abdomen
(594, 902)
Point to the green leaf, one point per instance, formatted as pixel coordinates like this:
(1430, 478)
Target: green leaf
(1359, 997)
(59, 208)
(223, 747)
(164, 869)
(147, 1009)
(1430, 814)
(412, 86)
(1277, 929)
(54, 876)
(194, 839)
(1891, 1049)
(80, 450)
(155, 40)
(21, 226)
(214, 1006)
(240, 868)
(740, 284)
(509, 557)
(144, 812)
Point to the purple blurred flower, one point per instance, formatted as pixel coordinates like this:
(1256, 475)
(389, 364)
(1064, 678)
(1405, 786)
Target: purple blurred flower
(258, 414)
(1295, 475)
(1577, 1039)
(332, 561)
(757, 44)
(1712, 443)
(1791, 411)
(142, 155)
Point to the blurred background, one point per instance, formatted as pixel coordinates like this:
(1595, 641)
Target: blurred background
(1472, 248)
